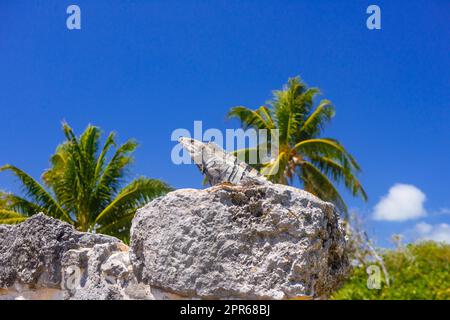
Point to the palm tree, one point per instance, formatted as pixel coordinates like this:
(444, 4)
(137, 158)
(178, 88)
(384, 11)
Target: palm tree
(84, 186)
(316, 161)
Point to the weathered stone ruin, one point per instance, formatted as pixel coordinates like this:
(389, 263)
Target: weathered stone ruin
(224, 242)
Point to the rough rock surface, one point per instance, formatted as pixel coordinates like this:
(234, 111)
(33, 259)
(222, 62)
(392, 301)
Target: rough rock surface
(230, 242)
(227, 242)
(44, 258)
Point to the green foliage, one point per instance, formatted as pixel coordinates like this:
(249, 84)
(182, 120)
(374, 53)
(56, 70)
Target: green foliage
(417, 271)
(317, 162)
(8, 216)
(84, 186)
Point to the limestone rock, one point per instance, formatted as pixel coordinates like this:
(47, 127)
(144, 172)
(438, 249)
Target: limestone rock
(44, 258)
(230, 242)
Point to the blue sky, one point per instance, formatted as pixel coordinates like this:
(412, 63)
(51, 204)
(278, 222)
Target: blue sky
(145, 68)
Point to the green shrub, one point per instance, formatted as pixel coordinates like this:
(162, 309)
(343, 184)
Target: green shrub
(417, 271)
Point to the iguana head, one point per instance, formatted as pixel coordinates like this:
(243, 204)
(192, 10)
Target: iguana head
(194, 147)
(204, 155)
(198, 151)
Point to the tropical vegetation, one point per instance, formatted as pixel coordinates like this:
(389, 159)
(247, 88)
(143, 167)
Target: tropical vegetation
(319, 163)
(84, 186)
(415, 271)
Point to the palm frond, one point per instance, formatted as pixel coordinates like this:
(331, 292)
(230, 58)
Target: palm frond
(292, 97)
(89, 141)
(339, 173)
(11, 217)
(21, 205)
(110, 142)
(317, 119)
(274, 170)
(58, 162)
(115, 170)
(116, 227)
(307, 101)
(329, 148)
(257, 119)
(134, 195)
(318, 184)
(251, 156)
(36, 192)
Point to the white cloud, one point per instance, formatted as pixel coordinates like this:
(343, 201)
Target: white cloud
(444, 211)
(423, 228)
(403, 202)
(439, 232)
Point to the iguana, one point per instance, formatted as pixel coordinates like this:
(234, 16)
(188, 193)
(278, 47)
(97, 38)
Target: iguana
(220, 166)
